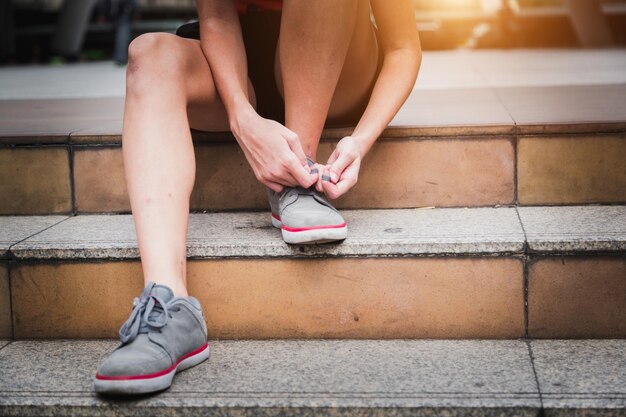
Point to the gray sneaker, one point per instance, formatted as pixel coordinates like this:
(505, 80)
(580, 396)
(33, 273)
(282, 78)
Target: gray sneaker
(163, 335)
(306, 216)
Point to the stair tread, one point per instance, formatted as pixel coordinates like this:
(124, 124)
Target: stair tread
(14, 229)
(393, 232)
(400, 376)
(474, 92)
(250, 234)
(574, 227)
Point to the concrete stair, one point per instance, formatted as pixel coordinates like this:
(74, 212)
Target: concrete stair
(481, 128)
(494, 273)
(333, 378)
(501, 217)
(469, 166)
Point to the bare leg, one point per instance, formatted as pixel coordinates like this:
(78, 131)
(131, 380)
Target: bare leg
(168, 83)
(326, 63)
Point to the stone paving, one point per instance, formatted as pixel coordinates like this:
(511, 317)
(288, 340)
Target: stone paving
(521, 88)
(396, 232)
(348, 377)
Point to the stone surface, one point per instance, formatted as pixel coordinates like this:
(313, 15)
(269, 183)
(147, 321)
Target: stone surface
(52, 120)
(16, 228)
(361, 298)
(6, 331)
(533, 88)
(468, 172)
(571, 170)
(103, 132)
(564, 104)
(287, 298)
(67, 81)
(534, 67)
(582, 375)
(438, 172)
(99, 181)
(224, 180)
(289, 378)
(372, 232)
(577, 297)
(34, 180)
(577, 228)
(453, 107)
(58, 300)
(3, 343)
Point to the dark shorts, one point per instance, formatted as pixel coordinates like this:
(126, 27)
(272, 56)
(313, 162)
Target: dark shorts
(260, 30)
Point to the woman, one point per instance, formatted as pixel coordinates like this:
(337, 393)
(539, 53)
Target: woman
(274, 73)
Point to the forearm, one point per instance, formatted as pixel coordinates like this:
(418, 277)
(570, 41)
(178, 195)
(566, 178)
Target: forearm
(222, 43)
(393, 86)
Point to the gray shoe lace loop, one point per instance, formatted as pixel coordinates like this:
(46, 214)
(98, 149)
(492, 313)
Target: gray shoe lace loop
(301, 191)
(290, 194)
(141, 319)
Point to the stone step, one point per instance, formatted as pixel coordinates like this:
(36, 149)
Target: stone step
(333, 378)
(542, 272)
(423, 167)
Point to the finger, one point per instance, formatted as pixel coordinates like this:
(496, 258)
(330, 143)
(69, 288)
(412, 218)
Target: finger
(274, 186)
(287, 183)
(328, 187)
(318, 185)
(286, 179)
(337, 167)
(345, 183)
(296, 147)
(326, 173)
(301, 175)
(331, 190)
(280, 177)
(333, 157)
(334, 191)
(314, 167)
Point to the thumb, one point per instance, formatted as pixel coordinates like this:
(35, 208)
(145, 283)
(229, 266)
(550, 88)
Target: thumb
(338, 166)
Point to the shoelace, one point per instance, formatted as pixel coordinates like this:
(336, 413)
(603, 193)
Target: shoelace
(311, 191)
(310, 163)
(290, 191)
(140, 320)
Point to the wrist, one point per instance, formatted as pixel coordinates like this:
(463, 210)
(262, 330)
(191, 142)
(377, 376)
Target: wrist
(239, 116)
(363, 144)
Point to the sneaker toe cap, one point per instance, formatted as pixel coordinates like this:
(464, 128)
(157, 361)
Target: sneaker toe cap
(322, 216)
(133, 361)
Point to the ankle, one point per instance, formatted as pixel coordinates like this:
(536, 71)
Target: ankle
(180, 291)
(177, 285)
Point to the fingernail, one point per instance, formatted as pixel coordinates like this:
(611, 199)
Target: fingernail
(334, 177)
(315, 171)
(309, 161)
(325, 178)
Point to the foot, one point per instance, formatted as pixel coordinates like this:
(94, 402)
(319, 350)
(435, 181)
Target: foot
(305, 216)
(163, 335)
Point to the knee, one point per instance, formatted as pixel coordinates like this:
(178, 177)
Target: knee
(151, 56)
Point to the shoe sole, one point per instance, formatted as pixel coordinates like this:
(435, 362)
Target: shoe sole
(311, 235)
(144, 384)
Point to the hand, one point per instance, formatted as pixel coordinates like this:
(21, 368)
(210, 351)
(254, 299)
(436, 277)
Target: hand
(273, 151)
(342, 169)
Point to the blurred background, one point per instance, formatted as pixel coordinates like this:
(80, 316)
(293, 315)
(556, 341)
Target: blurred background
(57, 31)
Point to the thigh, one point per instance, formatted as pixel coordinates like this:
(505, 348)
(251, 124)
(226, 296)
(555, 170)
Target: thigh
(359, 72)
(205, 110)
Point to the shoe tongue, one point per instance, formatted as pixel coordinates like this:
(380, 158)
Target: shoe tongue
(163, 292)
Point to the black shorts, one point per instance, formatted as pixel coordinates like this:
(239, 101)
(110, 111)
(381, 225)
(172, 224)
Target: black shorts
(260, 30)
